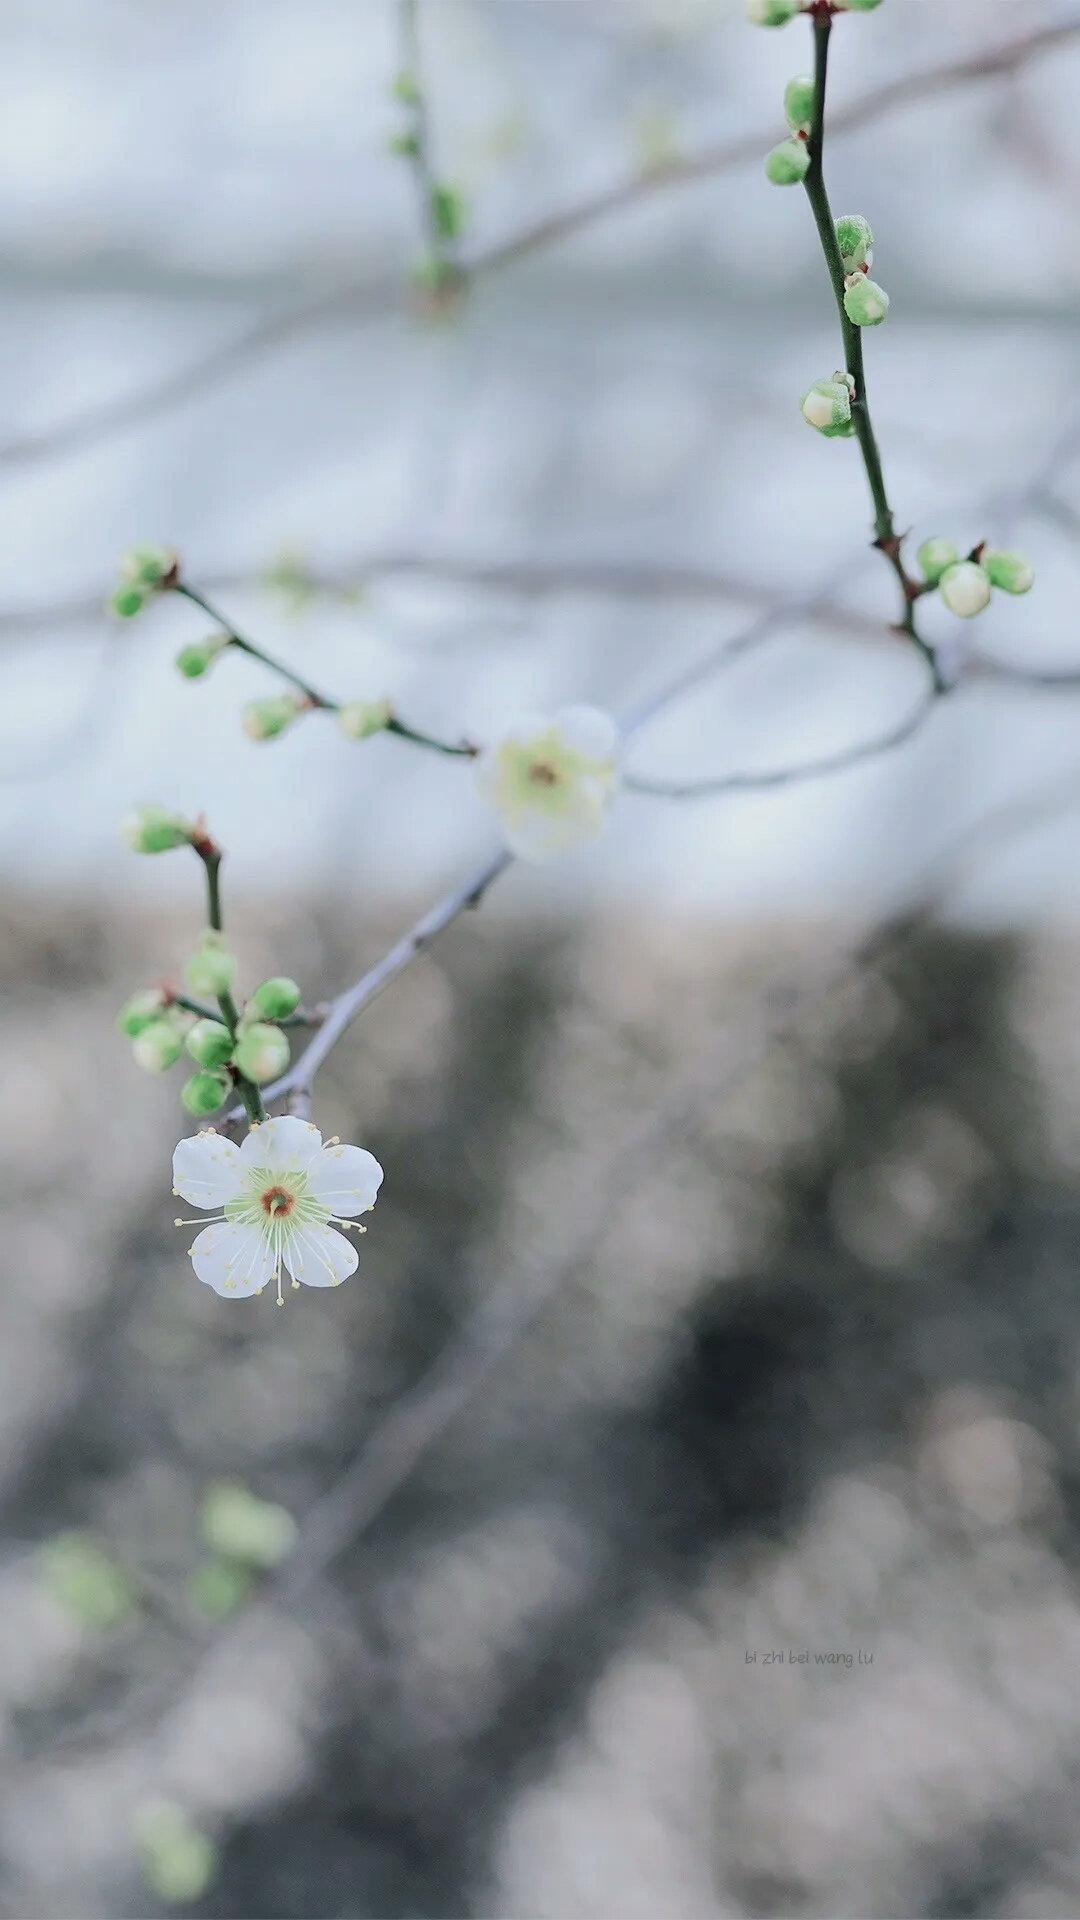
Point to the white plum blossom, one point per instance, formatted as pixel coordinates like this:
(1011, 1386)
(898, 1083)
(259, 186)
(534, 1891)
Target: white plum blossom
(551, 779)
(279, 1192)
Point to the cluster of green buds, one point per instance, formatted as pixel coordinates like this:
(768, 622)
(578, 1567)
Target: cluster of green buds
(789, 163)
(965, 585)
(144, 571)
(865, 303)
(777, 13)
(161, 1028)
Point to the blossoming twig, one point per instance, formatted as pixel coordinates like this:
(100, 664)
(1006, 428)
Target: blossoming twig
(310, 695)
(378, 296)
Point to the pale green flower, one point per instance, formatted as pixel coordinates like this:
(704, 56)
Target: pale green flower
(552, 780)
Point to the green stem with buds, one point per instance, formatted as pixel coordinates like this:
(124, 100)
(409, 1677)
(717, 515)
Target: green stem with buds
(884, 524)
(210, 855)
(319, 701)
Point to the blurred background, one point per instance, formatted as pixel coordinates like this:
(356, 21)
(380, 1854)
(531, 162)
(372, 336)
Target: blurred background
(731, 1166)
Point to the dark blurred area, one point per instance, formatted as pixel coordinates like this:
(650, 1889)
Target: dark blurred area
(813, 1388)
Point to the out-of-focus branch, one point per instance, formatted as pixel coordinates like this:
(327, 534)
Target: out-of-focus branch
(379, 296)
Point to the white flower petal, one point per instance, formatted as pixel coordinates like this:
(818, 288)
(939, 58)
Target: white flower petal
(234, 1260)
(207, 1169)
(540, 836)
(319, 1257)
(281, 1142)
(345, 1179)
(589, 731)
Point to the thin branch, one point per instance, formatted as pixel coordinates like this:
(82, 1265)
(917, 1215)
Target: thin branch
(314, 699)
(839, 762)
(380, 296)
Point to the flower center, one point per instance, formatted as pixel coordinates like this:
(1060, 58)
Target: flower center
(543, 773)
(277, 1202)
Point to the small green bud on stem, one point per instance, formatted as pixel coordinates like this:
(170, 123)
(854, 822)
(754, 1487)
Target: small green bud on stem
(934, 557)
(788, 163)
(799, 103)
(198, 657)
(360, 718)
(155, 830)
(855, 240)
(1008, 569)
(211, 970)
(262, 1052)
(865, 303)
(205, 1092)
(265, 719)
(275, 999)
(965, 589)
(210, 1043)
(827, 406)
(141, 1010)
(772, 13)
(158, 1047)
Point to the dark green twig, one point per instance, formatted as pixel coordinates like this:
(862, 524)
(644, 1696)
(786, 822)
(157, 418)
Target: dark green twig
(210, 854)
(887, 538)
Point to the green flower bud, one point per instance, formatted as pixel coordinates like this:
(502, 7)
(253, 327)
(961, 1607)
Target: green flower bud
(406, 88)
(262, 1052)
(1009, 570)
(154, 830)
(788, 163)
(934, 557)
(140, 1011)
(218, 1587)
(772, 13)
(205, 1092)
(210, 1043)
(865, 303)
(965, 589)
(236, 1523)
(827, 406)
(448, 211)
(855, 241)
(148, 567)
(127, 602)
(857, 6)
(407, 144)
(158, 1047)
(211, 969)
(82, 1577)
(359, 718)
(276, 998)
(178, 1860)
(799, 104)
(195, 659)
(264, 719)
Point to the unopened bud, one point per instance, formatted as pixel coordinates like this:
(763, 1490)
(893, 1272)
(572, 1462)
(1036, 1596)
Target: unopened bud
(264, 719)
(855, 241)
(827, 406)
(856, 6)
(1007, 569)
(195, 659)
(205, 1092)
(211, 969)
(262, 1052)
(158, 1047)
(148, 567)
(235, 1522)
(276, 998)
(210, 1043)
(965, 589)
(788, 163)
(140, 1011)
(127, 602)
(359, 718)
(154, 830)
(934, 557)
(799, 104)
(772, 13)
(865, 303)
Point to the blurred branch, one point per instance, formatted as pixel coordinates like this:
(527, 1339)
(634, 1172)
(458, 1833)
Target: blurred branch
(97, 423)
(839, 762)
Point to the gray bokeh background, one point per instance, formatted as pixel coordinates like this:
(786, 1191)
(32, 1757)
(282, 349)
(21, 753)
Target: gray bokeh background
(802, 1208)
